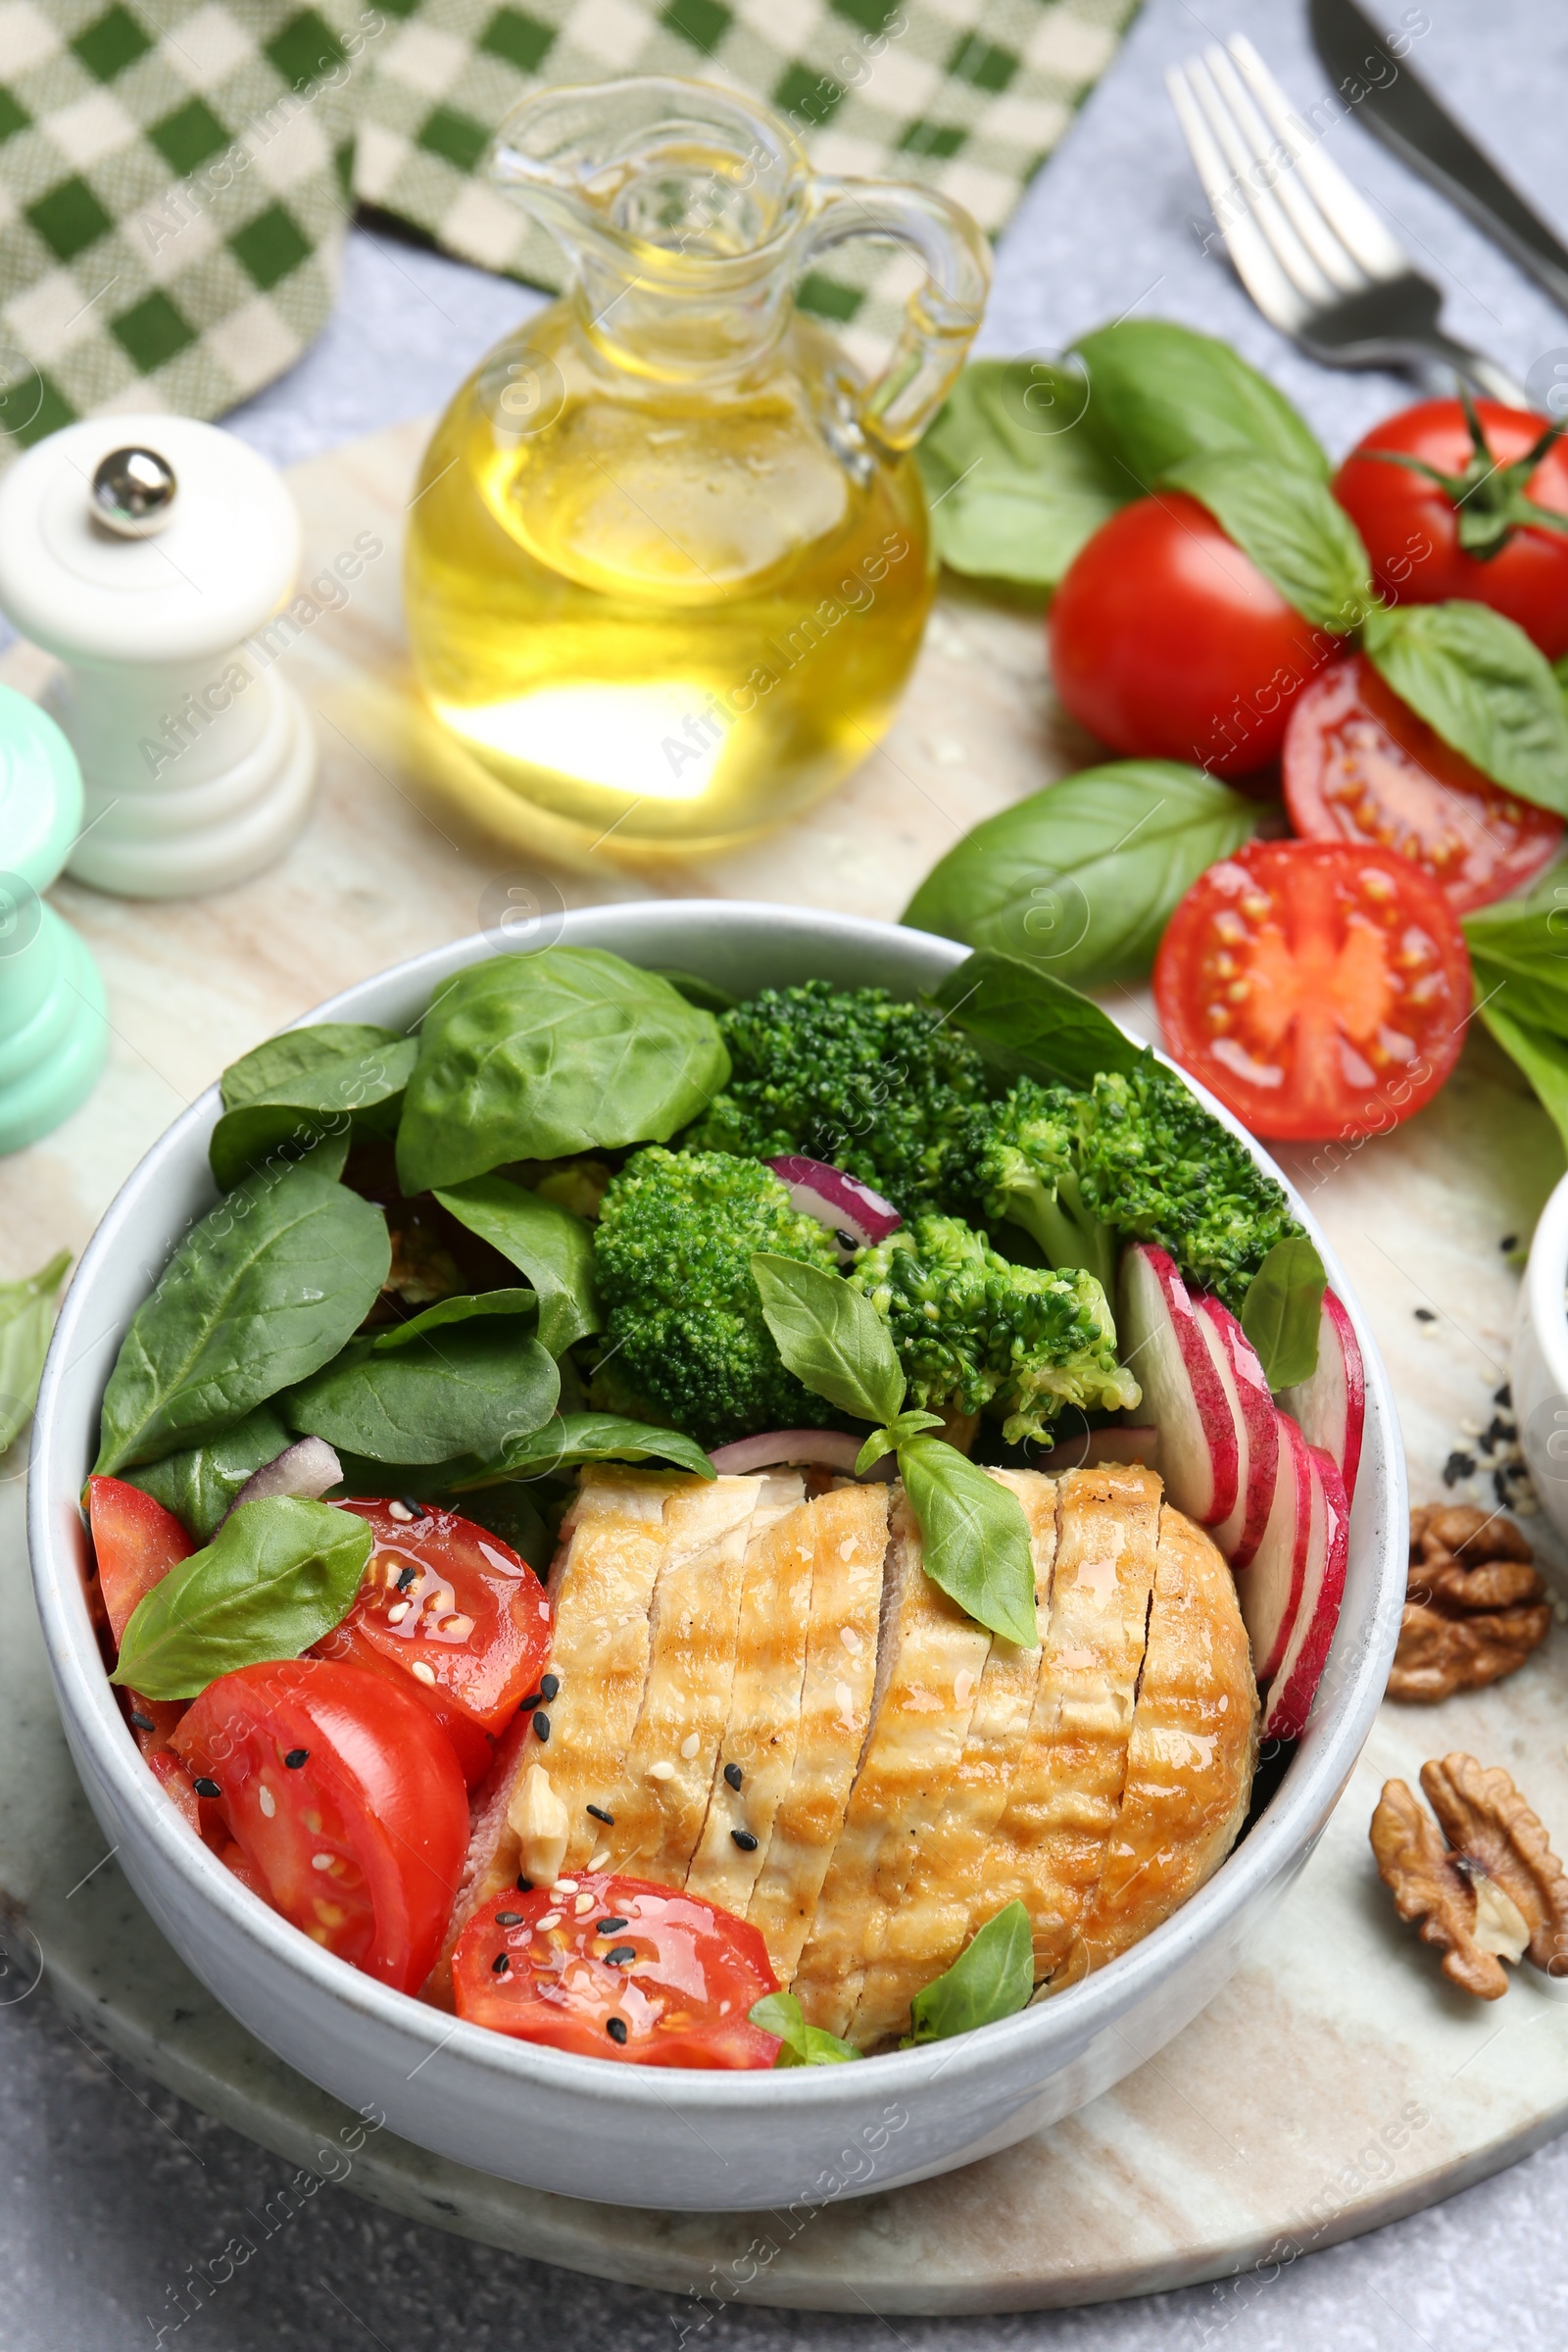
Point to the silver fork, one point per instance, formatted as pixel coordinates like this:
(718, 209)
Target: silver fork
(1309, 250)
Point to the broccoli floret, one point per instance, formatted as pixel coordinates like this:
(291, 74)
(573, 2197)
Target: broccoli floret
(685, 1341)
(974, 1332)
(1024, 1172)
(877, 1088)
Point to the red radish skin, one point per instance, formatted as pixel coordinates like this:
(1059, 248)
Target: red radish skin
(1270, 1589)
(1260, 1433)
(842, 1203)
(1331, 1406)
(1294, 1686)
(1227, 1532)
(1163, 1342)
(1096, 1446)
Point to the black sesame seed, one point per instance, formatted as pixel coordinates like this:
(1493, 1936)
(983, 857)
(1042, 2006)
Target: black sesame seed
(1499, 1488)
(296, 1757)
(615, 2027)
(621, 1953)
(206, 1788)
(527, 1705)
(509, 1919)
(407, 1579)
(143, 1723)
(541, 1722)
(745, 1840)
(525, 1885)
(1504, 1396)
(734, 1775)
(1509, 1241)
(1457, 1467)
(846, 1240)
(609, 1927)
(1424, 1315)
(599, 1814)
(1499, 1432)
(500, 1965)
(549, 1685)
(418, 1509)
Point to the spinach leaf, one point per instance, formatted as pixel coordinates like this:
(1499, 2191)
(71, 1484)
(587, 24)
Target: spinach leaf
(1016, 482)
(1282, 1309)
(467, 1306)
(1292, 527)
(800, 2044)
(538, 1056)
(550, 1245)
(1083, 878)
(27, 1318)
(199, 1485)
(472, 1389)
(992, 1978)
(830, 1336)
(575, 1438)
(974, 1538)
(1034, 1023)
(309, 1084)
(279, 1575)
(1475, 676)
(1159, 394)
(261, 1294)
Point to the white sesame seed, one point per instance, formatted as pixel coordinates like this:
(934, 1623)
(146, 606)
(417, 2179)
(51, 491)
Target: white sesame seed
(397, 1612)
(845, 1696)
(458, 1628)
(564, 1887)
(399, 1510)
(420, 1672)
(584, 1903)
(724, 2008)
(551, 1919)
(660, 1772)
(391, 1574)
(599, 1860)
(269, 1802)
(689, 1745)
(320, 1861)
(851, 1640)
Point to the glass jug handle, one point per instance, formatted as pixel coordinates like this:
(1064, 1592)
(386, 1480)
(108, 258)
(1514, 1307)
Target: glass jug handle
(941, 316)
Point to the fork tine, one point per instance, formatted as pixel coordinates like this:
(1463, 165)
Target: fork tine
(1261, 203)
(1274, 167)
(1250, 257)
(1352, 218)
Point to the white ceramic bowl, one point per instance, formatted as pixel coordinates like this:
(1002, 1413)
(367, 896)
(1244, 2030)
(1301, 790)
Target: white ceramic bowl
(631, 2134)
(1539, 1377)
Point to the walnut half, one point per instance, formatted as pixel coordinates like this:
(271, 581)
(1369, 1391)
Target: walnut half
(1487, 1889)
(1474, 1606)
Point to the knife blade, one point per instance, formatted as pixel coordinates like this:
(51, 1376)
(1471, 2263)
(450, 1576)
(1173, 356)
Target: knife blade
(1401, 111)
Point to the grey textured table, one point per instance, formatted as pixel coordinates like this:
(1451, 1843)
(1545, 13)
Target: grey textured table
(113, 2190)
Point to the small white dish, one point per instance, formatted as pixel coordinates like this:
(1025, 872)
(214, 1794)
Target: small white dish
(1539, 1374)
(625, 2135)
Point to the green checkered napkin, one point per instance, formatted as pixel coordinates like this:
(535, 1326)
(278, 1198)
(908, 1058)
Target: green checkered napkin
(175, 180)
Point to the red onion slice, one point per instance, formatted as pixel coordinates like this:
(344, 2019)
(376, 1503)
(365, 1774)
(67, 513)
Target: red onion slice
(831, 1449)
(305, 1470)
(855, 1216)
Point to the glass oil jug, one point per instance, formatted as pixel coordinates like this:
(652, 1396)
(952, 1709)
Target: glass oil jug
(669, 560)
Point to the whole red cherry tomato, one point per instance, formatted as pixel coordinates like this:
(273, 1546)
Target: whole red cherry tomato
(1317, 989)
(1470, 514)
(1168, 642)
(1360, 766)
(639, 1973)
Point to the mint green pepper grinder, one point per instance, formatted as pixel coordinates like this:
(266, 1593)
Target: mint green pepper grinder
(54, 1030)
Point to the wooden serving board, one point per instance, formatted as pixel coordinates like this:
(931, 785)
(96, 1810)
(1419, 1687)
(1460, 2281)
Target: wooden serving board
(1337, 2081)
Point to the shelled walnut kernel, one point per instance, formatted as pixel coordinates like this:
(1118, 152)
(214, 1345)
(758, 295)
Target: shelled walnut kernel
(1474, 1606)
(1487, 1889)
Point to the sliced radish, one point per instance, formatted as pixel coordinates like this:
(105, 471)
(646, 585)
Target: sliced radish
(832, 1448)
(1271, 1589)
(1240, 1535)
(1294, 1686)
(857, 1217)
(1331, 1406)
(1200, 1425)
(1096, 1446)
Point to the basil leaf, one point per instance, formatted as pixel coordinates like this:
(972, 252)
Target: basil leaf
(199, 1485)
(800, 2044)
(1282, 1309)
(278, 1576)
(469, 1306)
(27, 1318)
(1036, 1024)
(992, 1978)
(830, 1336)
(264, 1290)
(1541, 1055)
(573, 1437)
(472, 1390)
(304, 1086)
(705, 995)
(1291, 526)
(1160, 394)
(538, 1056)
(1014, 481)
(888, 1440)
(1083, 878)
(552, 1245)
(974, 1538)
(1475, 676)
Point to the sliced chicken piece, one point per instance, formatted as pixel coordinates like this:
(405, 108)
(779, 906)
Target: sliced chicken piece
(930, 1659)
(1067, 1783)
(926, 1930)
(849, 1540)
(1191, 1756)
(758, 1747)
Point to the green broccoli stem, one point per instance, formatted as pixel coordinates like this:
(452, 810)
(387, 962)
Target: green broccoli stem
(1065, 1230)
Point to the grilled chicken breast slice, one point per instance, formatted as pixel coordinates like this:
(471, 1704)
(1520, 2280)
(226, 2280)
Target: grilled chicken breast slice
(850, 1541)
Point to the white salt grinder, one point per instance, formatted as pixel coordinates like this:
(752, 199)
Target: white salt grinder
(153, 554)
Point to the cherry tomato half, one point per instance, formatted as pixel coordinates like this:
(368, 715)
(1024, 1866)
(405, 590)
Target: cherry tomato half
(1411, 523)
(345, 1801)
(1317, 989)
(1168, 642)
(456, 1616)
(635, 1972)
(136, 1542)
(1360, 766)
